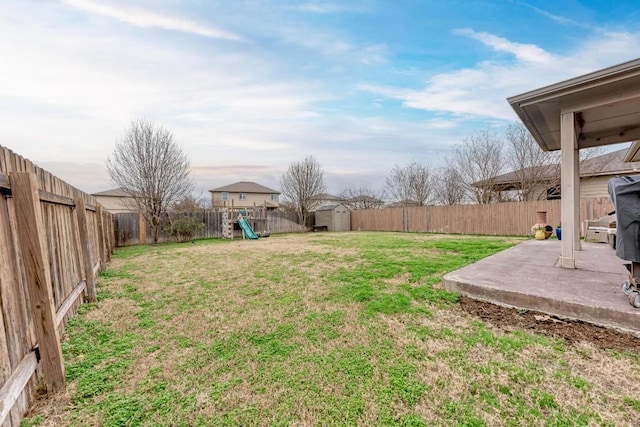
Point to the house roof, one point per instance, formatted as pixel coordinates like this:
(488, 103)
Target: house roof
(245, 187)
(327, 196)
(605, 165)
(402, 203)
(365, 199)
(606, 104)
(545, 172)
(609, 164)
(114, 192)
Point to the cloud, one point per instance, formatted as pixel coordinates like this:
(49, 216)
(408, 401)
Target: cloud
(88, 177)
(83, 84)
(76, 72)
(559, 19)
(481, 90)
(523, 52)
(319, 7)
(146, 19)
(334, 47)
(373, 55)
(327, 7)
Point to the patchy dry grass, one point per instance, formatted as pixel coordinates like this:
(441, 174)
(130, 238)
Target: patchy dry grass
(319, 329)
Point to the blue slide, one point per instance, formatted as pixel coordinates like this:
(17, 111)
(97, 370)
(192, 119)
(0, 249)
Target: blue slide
(246, 229)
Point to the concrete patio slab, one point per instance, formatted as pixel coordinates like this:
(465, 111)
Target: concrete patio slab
(525, 277)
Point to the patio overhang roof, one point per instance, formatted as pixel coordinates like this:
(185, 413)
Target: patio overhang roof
(606, 105)
(633, 153)
(592, 110)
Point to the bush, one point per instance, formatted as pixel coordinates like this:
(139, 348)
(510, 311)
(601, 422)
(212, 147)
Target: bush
(184, 228)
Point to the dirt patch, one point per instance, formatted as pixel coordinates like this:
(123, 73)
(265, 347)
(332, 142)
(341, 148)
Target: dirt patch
(572, 331)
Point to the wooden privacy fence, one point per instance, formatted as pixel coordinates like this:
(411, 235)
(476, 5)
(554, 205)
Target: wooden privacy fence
(53, 241)
(132, 229)
(506, 219)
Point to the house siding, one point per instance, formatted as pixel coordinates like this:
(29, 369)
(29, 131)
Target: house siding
(251, 200)
(597, 186)
(590, 187)
(594, 187)
(115, 204)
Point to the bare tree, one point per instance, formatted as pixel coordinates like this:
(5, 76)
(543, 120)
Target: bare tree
(479, 160)
(302, 184)
(363, 197)
(193, 202)
(397, 184)
(187, 204)
(412, 183)
(534, 170)
(536, 173)
(152, 169)
(450, 189)
(591, 159)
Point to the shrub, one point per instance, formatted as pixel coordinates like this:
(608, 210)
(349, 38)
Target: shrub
(184, 228)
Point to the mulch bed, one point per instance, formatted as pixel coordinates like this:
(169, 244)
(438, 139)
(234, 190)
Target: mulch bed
(572, 331)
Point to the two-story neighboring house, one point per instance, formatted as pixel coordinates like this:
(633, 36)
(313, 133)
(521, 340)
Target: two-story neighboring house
(245, 195)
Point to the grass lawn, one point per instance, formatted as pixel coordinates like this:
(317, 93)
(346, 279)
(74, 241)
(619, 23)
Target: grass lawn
(319, 329)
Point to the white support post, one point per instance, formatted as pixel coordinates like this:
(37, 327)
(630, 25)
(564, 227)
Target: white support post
(576, 200)
(570, 190)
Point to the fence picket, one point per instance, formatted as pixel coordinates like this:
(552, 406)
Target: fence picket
(506, 219)
(131, 229)
(31, 233)
(41, 277)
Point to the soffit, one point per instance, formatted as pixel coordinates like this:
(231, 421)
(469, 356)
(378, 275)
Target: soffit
(606, 103)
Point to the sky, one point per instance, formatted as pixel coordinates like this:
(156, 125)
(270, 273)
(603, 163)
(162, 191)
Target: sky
(247, 87)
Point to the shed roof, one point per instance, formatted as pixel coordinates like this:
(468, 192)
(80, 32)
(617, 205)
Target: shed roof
(245, 187)
(606, 103)
(330, 207)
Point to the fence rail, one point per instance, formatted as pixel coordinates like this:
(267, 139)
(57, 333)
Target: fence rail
(507, 219)
(132, 229)
(53, 240)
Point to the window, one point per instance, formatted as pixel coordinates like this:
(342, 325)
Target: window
(224, 196)
(553, 193)
(274, 197)
(242, 196)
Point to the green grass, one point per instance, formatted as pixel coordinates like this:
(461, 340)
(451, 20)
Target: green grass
(320, 329)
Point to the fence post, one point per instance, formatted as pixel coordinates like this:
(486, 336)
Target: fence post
(405, 220)
(142, 224)
(102, 247)
(111, 218)
(428, 212)
(81, 213)
(31, 232)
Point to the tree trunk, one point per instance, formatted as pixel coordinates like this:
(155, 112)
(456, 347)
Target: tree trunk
(155, 225)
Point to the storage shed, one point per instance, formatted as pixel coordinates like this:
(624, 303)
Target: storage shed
(333, 218)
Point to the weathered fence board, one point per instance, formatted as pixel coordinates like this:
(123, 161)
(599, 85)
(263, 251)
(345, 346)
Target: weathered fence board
(506, 219)
(14, 386)
(42, 276)
(86, 250)
(131, 229)
(31, 234)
